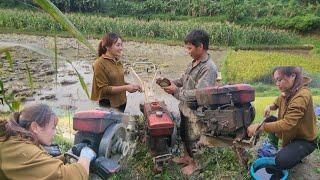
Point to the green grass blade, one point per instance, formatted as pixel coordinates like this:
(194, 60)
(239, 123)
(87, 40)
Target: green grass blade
(3, 96)
(50, 8)
(16, 105)
(30, 80)
(1, 90)
(5, 46)
(10, 60)
(56, 58)
(83, 84)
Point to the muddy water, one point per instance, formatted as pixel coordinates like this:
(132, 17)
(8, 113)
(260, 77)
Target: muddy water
(67, 93)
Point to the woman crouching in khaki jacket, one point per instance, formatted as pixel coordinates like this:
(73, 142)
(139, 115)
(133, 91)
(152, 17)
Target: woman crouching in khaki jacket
(296, 124)
(22, 155)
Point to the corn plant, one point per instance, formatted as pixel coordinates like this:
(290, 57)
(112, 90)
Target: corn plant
(220, 34)
(10, 60)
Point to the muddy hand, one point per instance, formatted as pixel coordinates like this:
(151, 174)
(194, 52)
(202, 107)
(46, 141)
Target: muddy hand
(170, 89)
(251, 130)
(158, 80)
(140, 88)
(267, 111)
(133, 88)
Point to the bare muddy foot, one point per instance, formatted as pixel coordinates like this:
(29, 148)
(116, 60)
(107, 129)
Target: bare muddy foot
(189, 169)
(185, 160)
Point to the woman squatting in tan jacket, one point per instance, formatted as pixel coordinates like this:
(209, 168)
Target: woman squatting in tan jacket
(296, 124)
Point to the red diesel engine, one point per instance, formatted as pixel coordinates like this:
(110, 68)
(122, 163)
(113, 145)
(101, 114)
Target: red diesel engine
(225, 110)
(106, 133)
(160, 131)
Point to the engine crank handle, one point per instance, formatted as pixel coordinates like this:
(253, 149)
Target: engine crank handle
(257, 131)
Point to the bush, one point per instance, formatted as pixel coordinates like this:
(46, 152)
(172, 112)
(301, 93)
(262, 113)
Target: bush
(303, 24)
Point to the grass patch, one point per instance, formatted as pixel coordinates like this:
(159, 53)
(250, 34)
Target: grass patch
(266, 90)
(219, 163)
(261, 102)
(64, 143)
(140, 166)
(256, 66)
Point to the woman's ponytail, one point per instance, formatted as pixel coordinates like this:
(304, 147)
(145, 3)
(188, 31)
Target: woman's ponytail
(107, 41)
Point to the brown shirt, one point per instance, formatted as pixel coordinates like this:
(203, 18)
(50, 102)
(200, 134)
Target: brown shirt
(20, 159)
(296, 119)
(107, 73)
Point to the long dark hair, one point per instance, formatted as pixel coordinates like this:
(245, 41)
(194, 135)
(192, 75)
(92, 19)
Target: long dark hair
(107, 41)
(288, 71)
(19, 122)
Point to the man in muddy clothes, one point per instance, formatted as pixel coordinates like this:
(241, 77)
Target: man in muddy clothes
(200, 73)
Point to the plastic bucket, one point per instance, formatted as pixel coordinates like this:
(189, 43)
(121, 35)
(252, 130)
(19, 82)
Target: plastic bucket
(317, 110)
(263, 162)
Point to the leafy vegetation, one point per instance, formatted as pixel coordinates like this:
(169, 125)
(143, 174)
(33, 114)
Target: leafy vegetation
(273, 13)
(218, 163)
(220, 34)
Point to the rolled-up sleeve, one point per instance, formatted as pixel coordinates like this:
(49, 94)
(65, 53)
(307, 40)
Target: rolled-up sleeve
(102, 80)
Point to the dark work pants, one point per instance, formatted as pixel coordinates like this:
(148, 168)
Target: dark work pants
(187, 134)
(106, 103)
(293, 153)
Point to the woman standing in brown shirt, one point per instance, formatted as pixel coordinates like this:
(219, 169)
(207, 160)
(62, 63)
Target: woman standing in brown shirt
(109, 86)
(296, 124)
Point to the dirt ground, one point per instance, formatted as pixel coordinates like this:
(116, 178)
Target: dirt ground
(67, 95)
(170, 61)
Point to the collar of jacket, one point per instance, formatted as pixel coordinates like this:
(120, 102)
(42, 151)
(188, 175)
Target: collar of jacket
(203, 59)
(112, 59)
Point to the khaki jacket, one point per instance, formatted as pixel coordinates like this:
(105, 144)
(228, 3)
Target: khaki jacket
(296, 119)
(20, 159)
(200, 76)
(107, 73)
